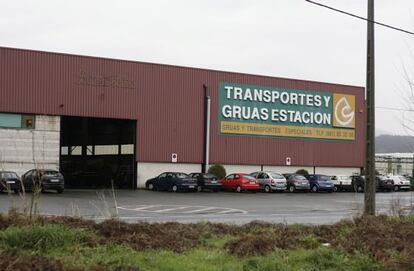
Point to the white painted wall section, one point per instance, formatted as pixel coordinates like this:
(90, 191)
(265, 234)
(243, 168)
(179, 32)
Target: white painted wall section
(337, 170)
(240, 169)
(24, 149)
(287, 169)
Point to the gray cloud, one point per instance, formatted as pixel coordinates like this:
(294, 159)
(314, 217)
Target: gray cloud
(278, 38)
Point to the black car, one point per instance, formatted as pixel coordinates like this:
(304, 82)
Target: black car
(296, 182)
(172, 181)
(9, 181)
(382, 183)
(46, 179)
(206, 181)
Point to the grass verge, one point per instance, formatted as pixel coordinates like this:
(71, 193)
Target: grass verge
(62, 243)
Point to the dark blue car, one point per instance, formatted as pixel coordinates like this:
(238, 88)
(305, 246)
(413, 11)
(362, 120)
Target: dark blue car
(319, 182)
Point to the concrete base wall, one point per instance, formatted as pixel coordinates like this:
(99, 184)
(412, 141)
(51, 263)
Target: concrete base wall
(287, 169)
(240, 168)
(338, 170)
(24, 149)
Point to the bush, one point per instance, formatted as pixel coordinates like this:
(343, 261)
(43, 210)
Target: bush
(217, 170)
(302, 172)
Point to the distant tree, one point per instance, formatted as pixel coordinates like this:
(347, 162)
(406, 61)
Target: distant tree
(217, 170)
(302, 172)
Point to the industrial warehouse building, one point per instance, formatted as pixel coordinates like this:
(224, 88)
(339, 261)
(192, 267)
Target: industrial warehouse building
(99, 119)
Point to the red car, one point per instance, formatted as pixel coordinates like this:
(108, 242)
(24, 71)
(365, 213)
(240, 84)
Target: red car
(239, 182)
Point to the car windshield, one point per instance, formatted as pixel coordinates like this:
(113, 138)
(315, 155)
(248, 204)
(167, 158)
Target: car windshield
(324, 178)
(50, 172)
(382, 178)
(276, 175)
(248, 177)
(209, 176)
(182, 175)
(300, 178)
(9, 175)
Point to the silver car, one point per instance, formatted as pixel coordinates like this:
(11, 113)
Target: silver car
(270, 181)
(400, 182)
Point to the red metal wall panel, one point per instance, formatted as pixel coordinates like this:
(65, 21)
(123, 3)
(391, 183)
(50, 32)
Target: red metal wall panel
(167, 102)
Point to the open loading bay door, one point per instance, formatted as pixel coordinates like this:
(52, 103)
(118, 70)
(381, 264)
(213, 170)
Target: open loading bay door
(96, 152)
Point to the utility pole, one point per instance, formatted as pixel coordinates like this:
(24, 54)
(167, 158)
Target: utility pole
(370, 184)
(207, 108)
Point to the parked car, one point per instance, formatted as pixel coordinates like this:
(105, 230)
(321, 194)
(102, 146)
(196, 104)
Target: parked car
(296, 182)
(206, 181)
(342, 183)
(400, 182)
(172, 181)
(9, 181)
(320, 182)
(270, 181)
(46, 179)
(239, 182)
(382, 183)
(358, 183)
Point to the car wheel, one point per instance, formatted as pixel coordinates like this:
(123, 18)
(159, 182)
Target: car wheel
(335, 189)
(267, 189)
(238, 189)
(292, 188)
(314, 188)
(150, 186)
(199, 188)
(396, 188)
(16, 191)
(174, 188)
(360, 189)
(60, 191)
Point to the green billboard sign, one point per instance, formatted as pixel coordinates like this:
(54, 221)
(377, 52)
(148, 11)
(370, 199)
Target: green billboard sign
(266, 111)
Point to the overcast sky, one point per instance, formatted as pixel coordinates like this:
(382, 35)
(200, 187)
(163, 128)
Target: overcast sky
(282, 38)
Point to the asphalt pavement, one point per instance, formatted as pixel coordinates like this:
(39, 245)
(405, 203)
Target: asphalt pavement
(225, 207)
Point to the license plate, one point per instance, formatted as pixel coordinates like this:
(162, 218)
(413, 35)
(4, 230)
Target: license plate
(54, 181)
(252, 182)
(191, 186)
(213, 181)
(10, 182)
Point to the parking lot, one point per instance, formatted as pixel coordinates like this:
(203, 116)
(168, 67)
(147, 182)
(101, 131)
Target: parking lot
(228, 207)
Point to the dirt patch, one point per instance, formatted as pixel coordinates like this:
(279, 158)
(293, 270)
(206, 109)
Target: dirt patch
(26, 263)
(282, 237)
(171, 236)
(36, 263)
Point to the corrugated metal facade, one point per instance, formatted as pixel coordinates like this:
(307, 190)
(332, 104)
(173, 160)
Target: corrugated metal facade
(167, 102)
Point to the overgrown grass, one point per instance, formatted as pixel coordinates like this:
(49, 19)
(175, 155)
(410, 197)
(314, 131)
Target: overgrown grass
(376, 243)
(44, 238)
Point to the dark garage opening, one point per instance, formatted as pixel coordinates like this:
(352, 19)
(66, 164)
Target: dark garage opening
(97, 152)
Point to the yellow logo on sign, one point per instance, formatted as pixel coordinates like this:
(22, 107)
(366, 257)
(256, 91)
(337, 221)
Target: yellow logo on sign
(343, 110)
